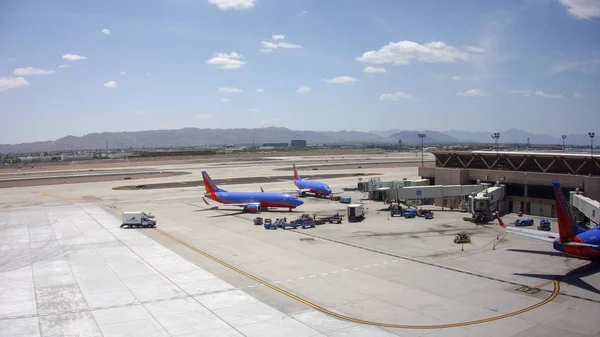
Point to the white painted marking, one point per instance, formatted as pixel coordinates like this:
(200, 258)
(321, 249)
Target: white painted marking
(345, 269)
(355, 268)
(276, 282)
(376, 264)
(323, 274)
(302, 278)
(365, 266)
(385, 262)
(289, 280)
(252, 286)
(312, 275)
(335, 272)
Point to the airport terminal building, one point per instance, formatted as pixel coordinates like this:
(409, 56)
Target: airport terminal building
(528, 176)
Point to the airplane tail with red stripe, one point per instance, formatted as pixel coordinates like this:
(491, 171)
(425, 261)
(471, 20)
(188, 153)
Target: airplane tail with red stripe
(296, 175)
(566, 220)
(209, 184)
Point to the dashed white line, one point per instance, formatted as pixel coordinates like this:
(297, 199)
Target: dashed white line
(301, 278)
(334, 272)
(312, 275)
(323, 274)
(290, 280)
(365, 266)
(345, 269)
(376, 264)
(355, 268)
(276, 282)
(252, 286)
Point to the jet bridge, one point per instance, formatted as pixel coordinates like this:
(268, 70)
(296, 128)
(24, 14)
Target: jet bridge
(483, 204)
(589, 207)
(431, 192)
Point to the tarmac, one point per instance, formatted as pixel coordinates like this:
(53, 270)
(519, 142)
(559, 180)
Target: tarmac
(66, 268)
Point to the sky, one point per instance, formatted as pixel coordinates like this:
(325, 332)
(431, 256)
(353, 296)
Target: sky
(78, 67)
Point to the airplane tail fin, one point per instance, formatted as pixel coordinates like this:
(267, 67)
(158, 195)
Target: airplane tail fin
(209, 184)
(566, 221)
(500, 222)
(296, 175)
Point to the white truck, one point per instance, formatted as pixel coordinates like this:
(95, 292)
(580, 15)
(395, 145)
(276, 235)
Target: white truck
(356, 212)
(138, 219)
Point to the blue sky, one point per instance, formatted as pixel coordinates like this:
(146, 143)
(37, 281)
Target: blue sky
(76, 67)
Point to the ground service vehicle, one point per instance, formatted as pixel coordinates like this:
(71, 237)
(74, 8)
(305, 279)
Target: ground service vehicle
(356, 212)
(524, 222)
(138, 219)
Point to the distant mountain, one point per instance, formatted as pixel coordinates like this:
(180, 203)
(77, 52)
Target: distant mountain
(191, 137)
(431, 137)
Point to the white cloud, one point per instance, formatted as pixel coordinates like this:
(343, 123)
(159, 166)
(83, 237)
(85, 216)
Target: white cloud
(577, 95)
(226, 5)
(226, 89)
(374, 70)
(31, 71)
(63, 66)
(342, 80)
(582, 9)
(278, 37)
(402, 52)
(148, 74)
(203, 116)
(473, 93)
(106, 31)
(110, 84)
(520, 92)
(304, 12)
(547, 95)
(7, 83)
(396, 96)
(588, 66)
(303, 89)
(122, 73)
(456, 78)
(254, 110)
(225, 100)
(268, 46)
(73, 57)
(227, 61)
(475, 49)
(259, 90)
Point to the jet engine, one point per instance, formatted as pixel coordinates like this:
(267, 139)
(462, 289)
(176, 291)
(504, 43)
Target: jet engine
(252, 208)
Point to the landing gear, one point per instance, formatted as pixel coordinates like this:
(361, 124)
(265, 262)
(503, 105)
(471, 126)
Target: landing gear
(290, 210)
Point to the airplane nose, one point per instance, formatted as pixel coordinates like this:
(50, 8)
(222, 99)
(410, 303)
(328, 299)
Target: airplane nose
(300, 202)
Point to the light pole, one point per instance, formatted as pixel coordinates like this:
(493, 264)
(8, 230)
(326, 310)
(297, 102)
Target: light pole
(563, 138)
(496, 136)
(592, 134)
(422, 136)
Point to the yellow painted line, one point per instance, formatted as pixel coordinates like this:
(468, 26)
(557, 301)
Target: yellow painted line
(361, 321)
(182, 182)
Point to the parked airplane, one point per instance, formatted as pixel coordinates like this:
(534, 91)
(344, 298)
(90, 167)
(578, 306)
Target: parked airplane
(305, 185)
(571, 239)
(250, 201)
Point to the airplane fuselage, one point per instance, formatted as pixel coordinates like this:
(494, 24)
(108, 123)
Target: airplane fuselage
(265, 199)
(315, 187)
(591, 237)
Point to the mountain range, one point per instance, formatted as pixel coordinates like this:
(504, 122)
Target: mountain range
(203, 137)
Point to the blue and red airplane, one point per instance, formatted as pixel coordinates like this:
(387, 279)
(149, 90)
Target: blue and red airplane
(571, 239)
(304, 185)
(250, 201)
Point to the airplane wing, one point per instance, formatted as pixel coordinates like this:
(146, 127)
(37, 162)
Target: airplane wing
(534, 232)
(238, 205)
(547, 239)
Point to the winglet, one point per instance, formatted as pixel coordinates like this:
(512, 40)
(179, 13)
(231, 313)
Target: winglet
(261, 189)
(500, 221)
